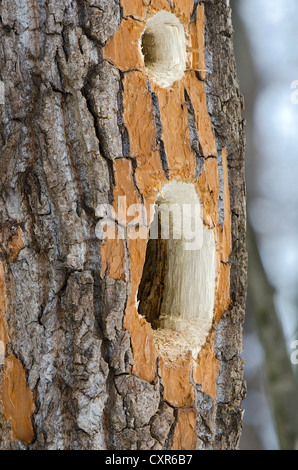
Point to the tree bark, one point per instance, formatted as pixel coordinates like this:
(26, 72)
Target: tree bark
(82, 124)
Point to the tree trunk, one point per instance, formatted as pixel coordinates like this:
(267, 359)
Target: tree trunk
(90, 121)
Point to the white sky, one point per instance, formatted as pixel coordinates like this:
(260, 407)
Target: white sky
(272, 30)
(273, 33)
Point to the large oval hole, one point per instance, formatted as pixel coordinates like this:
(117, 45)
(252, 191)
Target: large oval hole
(163, 48)
(176, 292)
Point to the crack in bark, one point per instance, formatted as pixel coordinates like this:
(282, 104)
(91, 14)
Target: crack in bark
(120, 120)
(158, 126)
(194, 136)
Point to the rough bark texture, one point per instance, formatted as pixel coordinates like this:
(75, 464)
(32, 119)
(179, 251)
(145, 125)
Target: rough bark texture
(80, 119)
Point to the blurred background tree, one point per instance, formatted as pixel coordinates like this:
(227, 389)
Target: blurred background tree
(267, 58)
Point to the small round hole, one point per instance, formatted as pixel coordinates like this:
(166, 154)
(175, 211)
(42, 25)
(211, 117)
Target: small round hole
(163, 49)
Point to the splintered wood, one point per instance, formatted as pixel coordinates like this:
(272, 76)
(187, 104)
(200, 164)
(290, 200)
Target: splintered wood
(144, 102)
(16, 399)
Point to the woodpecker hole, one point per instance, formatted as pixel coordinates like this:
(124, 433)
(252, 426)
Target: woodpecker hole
(176, 292)
(163, 48)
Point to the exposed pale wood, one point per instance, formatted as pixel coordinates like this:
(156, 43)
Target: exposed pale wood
(82, 124)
